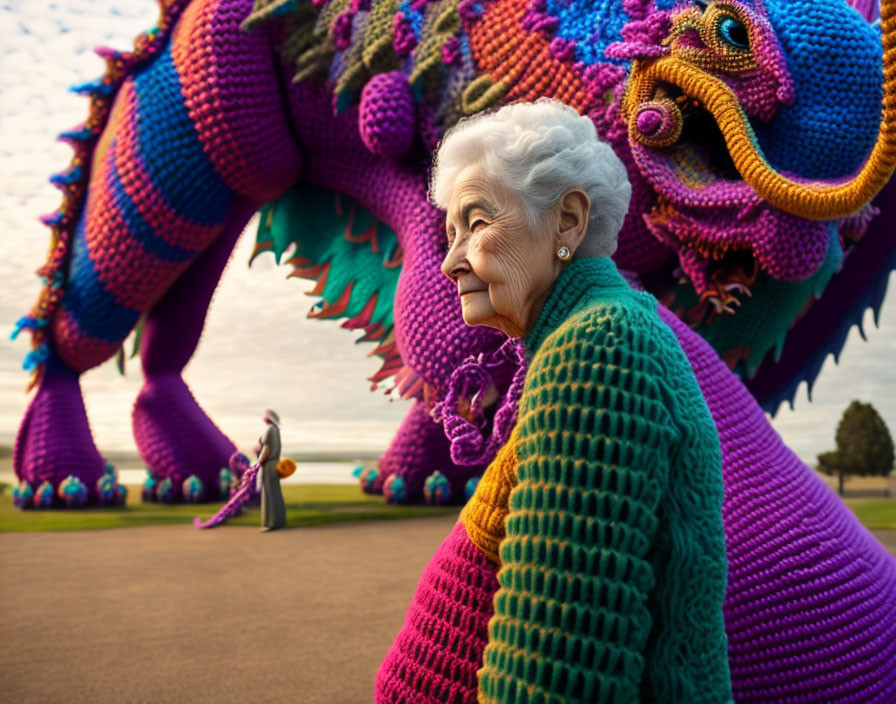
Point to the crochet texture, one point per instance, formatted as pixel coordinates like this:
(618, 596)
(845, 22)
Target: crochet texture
(606, 504)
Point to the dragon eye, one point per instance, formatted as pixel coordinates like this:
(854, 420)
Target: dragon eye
(734, 32)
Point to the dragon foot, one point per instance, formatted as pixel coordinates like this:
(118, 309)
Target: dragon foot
(54, 458)
(418, 452)
(183, 448)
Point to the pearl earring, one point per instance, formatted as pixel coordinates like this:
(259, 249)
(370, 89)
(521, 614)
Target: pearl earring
(563, 253)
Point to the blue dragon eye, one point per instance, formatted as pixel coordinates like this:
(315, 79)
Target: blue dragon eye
(734, 32)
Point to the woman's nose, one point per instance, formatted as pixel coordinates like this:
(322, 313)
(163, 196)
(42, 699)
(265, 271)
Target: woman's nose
(455, 262)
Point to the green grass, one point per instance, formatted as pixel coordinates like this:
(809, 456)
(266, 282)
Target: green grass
(874, 514)
(306, 505)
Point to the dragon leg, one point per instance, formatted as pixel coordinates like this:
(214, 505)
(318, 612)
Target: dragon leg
(174, 436)
(185, 140)
(418, 449)
(230, 90)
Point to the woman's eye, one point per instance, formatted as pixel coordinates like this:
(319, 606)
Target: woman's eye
(733, 32)
(475, 223)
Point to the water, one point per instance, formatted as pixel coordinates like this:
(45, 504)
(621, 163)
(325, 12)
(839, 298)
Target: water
(306, 473)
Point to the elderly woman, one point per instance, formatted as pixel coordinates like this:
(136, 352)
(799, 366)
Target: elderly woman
(273, 510)
(589, 566)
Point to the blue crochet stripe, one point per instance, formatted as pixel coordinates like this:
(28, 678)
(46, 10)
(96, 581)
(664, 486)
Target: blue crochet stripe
(87, 300)
(143, 233)
(595, 25)
(834, 59)
(170, 148)
(415, 17)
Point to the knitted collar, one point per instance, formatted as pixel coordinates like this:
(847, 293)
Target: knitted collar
(580, 276)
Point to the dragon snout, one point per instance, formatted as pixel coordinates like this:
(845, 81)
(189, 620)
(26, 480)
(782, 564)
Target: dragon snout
(664, 88)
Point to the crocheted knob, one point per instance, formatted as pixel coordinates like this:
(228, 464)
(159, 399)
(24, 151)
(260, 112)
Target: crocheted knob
(657, 123)
(386, 118)
(395, 490)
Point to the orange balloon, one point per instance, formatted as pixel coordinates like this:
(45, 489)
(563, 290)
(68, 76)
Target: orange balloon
(286, 467)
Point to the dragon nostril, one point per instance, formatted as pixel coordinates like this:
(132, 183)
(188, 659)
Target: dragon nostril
(649, 120)
(658, 123)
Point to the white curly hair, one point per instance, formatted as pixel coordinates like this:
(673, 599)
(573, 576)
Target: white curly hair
(539, 151)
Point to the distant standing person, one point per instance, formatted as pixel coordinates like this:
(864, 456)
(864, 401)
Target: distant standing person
(273, 510)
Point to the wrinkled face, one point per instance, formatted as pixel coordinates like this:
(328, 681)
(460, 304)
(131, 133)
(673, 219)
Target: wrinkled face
(503, 270)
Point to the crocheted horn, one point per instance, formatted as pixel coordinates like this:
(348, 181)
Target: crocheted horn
(813, 200)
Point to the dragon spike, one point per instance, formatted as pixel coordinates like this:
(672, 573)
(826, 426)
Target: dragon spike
(321, 282)
(67, 177)
(388, 369)
(270, 8)
(52, 219)
(36, 358)
(385, 348)
(791, 399)
(336, 309)
(778, 348)
(77, 134)
(108, 53)
(877, 297)
(362, 319)
(95, 88)
(26, 321)
(875, 310)
(306, 272)
(373, 333)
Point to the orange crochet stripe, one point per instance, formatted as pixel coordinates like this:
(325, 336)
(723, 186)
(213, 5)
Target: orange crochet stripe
(522, 61)
(483, 516)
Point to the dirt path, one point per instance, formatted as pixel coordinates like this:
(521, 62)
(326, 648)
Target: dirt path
(172, 614)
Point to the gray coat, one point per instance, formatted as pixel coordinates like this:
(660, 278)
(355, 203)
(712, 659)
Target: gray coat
(273, 510)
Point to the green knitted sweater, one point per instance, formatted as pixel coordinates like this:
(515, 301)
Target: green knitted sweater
(613, 566)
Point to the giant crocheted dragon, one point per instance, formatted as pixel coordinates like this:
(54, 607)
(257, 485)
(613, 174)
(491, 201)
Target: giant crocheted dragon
(755, 141)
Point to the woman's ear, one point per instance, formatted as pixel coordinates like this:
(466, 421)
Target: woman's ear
(573, 209)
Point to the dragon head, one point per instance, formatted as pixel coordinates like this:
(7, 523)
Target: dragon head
(752, 131)
(758, 126)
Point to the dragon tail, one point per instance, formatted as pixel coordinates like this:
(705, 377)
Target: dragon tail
(74, 180)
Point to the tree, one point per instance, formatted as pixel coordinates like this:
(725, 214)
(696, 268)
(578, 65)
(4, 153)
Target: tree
(864, 445)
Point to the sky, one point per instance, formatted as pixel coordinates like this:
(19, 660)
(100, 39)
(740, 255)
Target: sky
(258, 349)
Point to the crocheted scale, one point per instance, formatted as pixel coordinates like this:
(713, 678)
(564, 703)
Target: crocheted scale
(720, 116)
